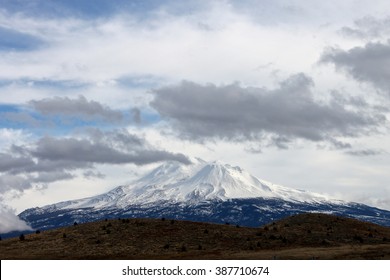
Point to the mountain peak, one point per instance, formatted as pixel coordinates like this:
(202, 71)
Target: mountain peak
(203, 180)
(191, 184)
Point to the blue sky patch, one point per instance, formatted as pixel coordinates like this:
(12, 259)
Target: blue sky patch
(12, 40)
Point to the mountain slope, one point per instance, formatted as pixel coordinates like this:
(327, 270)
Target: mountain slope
(210, 192)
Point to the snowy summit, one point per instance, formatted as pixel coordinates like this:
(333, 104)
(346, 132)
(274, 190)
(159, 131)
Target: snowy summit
(193, 183)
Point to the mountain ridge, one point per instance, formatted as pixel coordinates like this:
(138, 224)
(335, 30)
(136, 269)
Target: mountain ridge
(208, 192)
(200, 181)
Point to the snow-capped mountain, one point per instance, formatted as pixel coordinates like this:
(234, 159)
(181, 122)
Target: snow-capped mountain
(191, 184)
(201, 191)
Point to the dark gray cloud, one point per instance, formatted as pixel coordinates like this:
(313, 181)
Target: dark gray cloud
(368, 28)
(119, 138)
(52, 159)
(57, 165)
(364, 153)
(369, 64)
(80, 108)
(339, 144)
(345, 100)
(93, 174)
(71, 149)
(289, 112)
(16, 183)
(101, 152)
(9, 162)
(48, 177)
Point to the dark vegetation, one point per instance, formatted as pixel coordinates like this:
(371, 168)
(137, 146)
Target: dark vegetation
(304, 236)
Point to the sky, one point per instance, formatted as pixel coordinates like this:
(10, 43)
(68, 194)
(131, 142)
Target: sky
(93, 94)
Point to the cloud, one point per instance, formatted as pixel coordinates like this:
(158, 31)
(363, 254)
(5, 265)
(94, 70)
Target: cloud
(369, 64)
(124, 45)
(87, 151)
(9, 162)
(51, 159)
(92, 174)
(10, 222)
(368, 28)
(15, 183)
(235, 113)
(49, 177)
(113, 147)
(79, 108)
(364, 153)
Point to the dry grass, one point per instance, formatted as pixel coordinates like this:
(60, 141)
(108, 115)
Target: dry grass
(307, 236)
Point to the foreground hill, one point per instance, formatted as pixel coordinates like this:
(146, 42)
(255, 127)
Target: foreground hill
(304, 236)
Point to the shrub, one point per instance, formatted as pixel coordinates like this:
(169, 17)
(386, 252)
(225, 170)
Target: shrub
(266, 228)
(37, 231)
(200, 247)
(370, 235)
(309, 231)
(104, 228)
(183, 248)
(166, 246)
(272, 237)
(237, 226)
(227, 223)
(108, 231)
(259, 234)
(98, 241)
(75, 223)
(358, 238)
(107, 220)
(206, 231)
(384, 239)
(64, 235)
(109, 225)
(0, 237)
(325, 242)
(21, 237)
(172, 222)
(163, 219)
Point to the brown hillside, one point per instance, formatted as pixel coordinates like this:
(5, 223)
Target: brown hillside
(306, 236)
